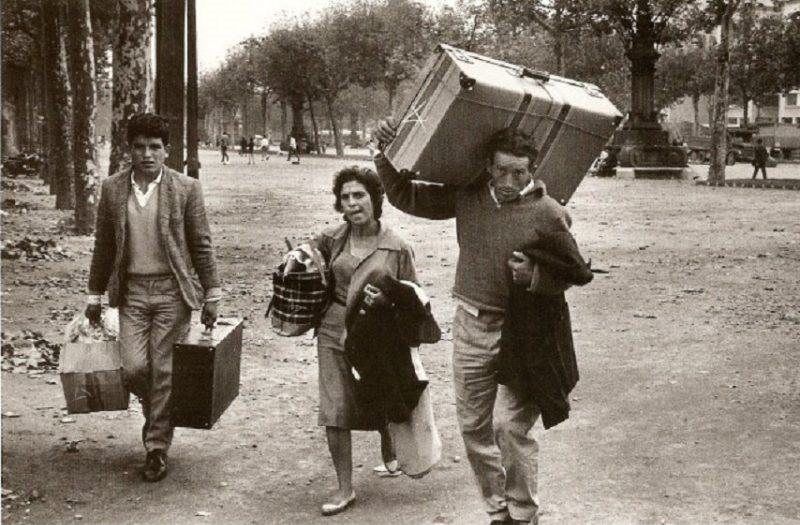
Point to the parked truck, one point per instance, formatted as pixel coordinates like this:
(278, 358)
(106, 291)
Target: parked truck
(741, 145)
(783, 140)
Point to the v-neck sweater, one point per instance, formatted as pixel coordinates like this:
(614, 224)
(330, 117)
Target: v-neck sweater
(146, 255)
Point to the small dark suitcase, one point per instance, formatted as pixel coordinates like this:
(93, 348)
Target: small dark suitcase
(205, 373)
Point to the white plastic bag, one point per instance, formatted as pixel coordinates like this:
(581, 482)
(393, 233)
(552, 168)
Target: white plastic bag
(304, 258)
(80, 329)
(110, 322)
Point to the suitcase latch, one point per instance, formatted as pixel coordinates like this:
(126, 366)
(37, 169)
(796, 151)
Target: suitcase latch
(467, 82)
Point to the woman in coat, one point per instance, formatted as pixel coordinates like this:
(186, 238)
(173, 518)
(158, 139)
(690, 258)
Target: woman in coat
(358, 252)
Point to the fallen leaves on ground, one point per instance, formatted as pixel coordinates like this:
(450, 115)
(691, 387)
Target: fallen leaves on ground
(34, 250)
(28, 351)
(12, 204)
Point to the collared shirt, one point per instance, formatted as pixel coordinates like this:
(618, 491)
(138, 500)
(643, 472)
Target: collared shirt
(143, 197)
(532, 185)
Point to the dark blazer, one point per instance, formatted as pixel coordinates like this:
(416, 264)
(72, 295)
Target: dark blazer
(184, 232)
(537, 357)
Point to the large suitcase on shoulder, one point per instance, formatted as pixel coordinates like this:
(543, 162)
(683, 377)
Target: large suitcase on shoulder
(462, 98)
(205, 373)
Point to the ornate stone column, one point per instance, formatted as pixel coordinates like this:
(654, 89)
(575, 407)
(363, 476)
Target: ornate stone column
(642, 143)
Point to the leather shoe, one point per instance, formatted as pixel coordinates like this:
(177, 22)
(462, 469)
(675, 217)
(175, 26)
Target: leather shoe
(155, 466)
(331, 508)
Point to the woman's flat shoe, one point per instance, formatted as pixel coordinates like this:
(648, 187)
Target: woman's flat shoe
(389, 470)
(329, 509)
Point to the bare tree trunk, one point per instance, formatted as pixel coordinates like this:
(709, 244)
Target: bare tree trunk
(391, 90)
(264, 114)
(745, 110)
(337, 138)
(284, 119)
(133, 74)
(696, 111)
(558, 51)
(59, 106)
(298, 130)
(84, 108)
(44, 103)
(314, 125)
(244, 107)
(719, 146)
(353, 138)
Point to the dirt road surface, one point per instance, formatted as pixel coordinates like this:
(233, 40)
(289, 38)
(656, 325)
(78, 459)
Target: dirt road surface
(687, 411)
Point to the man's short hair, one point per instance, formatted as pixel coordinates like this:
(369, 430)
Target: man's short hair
(365, 176)
(760, 141)
(514, 142)
(148, 125)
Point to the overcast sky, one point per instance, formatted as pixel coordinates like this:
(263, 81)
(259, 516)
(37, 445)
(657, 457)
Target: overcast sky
(221, 24)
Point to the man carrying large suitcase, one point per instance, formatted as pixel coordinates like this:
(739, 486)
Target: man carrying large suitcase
(151, 236)
(494, 218)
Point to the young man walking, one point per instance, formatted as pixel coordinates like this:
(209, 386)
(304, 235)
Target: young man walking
(151, 238)
(494, 219)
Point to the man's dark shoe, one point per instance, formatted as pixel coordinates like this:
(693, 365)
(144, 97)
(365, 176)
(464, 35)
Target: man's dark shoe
(155, 466)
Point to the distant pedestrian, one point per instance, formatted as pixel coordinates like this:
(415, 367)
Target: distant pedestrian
(251, 146)
(224, 142)
(243, 146)
(265, 150)
(760, 156)
(293, 150)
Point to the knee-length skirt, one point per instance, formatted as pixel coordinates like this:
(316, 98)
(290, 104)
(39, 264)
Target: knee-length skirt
(338, 405)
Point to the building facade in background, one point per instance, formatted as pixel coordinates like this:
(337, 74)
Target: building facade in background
(786, 109)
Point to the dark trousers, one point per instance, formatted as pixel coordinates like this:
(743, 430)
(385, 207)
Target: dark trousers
(763, 171)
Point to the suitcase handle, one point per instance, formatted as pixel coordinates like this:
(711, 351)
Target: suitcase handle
(532, 73)
(207, 332)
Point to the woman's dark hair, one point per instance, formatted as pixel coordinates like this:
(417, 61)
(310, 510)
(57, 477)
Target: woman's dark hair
(365, 176)
(148, 125)
(514, 142)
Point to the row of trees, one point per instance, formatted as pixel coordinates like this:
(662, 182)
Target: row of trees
(329, 64)
(63, 55)
(351, 63)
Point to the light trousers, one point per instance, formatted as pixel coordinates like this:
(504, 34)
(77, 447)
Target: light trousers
(152, 318)
(495, 423)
